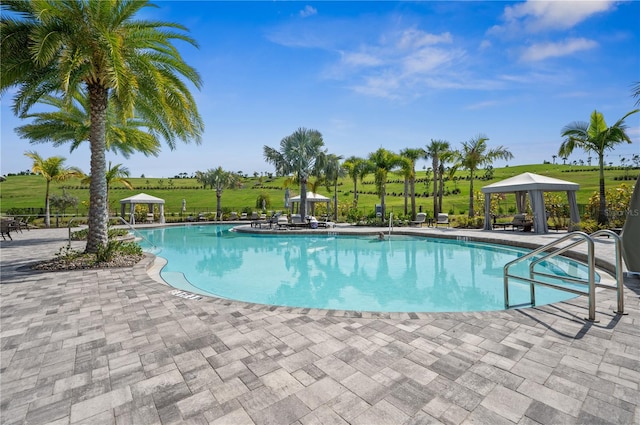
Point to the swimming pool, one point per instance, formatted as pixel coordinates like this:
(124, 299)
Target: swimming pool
(340, 272)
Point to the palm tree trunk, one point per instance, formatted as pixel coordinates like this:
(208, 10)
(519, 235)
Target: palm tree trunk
(47, 210)
(471, 212)
(440, 191)
(602, 209)
(218, 203)
(406, 196)
(335, 200)
(434, 164)
(303, 198)
(97, 234)
(413, 198)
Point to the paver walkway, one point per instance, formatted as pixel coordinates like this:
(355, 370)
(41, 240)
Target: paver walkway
(116, 347)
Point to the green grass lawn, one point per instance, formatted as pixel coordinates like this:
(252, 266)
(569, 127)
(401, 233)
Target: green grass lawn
(29, 191)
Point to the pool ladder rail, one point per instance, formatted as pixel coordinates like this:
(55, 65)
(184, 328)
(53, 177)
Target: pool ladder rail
(590, 282)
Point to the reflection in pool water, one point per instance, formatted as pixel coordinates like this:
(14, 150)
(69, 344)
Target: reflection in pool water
(360, 273)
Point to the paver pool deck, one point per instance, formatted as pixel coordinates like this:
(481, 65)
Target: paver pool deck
(114, 346)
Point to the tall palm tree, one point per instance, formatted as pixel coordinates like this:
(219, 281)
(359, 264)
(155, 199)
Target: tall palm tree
(61, 47)
(410, 155)
(333, 170)
(300, 155)
(595, 137)
(383, 162)
(357, 168)
(71, 122)
(474, 154)
(53, 170)
(435, 150)
(219, 180)
(115, 174)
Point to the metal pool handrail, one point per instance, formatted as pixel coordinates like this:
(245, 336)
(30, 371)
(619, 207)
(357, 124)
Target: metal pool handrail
(583, 237)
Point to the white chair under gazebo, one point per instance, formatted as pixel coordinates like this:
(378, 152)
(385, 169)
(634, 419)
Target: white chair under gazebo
(534, 185)
(142, 198)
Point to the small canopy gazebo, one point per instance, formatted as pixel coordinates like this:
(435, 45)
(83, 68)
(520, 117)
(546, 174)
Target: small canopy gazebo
(141, 198)
(534, 185)
(311, 199)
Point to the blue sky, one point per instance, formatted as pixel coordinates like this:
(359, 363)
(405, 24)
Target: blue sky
(389, 74)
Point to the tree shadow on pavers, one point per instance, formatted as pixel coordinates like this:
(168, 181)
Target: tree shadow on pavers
(17, 243)
(604, 321)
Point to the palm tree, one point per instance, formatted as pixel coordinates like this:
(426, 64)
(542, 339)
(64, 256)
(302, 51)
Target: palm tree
(383, 161)
(219, 180)
(411, 155)
(474, 154)
(60, 48)
(636, 91)
(357, 168)
(115, 174)
(435, 150)
(52, 169)
(71, 122)
(300, 155)
(595, 137)
(333, 170)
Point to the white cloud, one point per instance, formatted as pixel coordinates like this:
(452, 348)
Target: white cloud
(541, 51)
(537, 15)
(308, 11)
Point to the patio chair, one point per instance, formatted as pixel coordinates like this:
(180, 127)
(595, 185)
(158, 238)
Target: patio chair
(420, 220)
(233, 215)
(520, 221)
(442, 219)
(243, 216)
(149, 218)
(5, 228)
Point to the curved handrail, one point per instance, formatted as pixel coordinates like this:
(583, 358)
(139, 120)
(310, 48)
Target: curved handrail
(590, 264)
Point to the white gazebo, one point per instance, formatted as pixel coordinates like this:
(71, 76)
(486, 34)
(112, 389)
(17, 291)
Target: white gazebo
(534, 185)
(311, 199)
(141, 198)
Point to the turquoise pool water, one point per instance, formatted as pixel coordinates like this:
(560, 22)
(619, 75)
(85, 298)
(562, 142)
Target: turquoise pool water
(360, 273)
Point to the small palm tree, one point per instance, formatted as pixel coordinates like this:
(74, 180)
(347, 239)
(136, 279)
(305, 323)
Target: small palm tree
(410, 156)
(383, 162)
(595, 136)
(301, 156)
(474, 154)
(115, 174)
(63, 47)
(333, 171)
(53, 170)
(219, 180)
(435, 150)
(357, 169)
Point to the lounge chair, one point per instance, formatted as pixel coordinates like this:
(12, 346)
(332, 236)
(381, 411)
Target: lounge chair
(243, 216)
(6, 227)
(282, 221)
(254, 215)
(298, 221)
(442, 219)
(149, 218)
(233, 216)
(520, 221)
(420, 219)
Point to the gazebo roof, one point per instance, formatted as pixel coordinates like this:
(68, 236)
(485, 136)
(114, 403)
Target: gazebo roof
(530, 181)
(142, 198)
(311, 197)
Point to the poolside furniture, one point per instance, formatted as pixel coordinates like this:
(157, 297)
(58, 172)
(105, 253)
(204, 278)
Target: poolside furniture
(243, 216)
(420, 219)
(520, 221)
(149, 219)
(442, 219)
(283, 221)
(298, 221)
(233, 216)
(254, 215)
(6, 226)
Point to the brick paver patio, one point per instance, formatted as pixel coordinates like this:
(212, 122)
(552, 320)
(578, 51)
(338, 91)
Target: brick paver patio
(116, 347)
